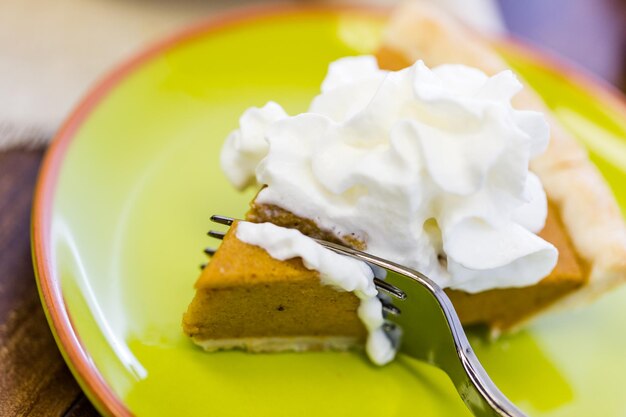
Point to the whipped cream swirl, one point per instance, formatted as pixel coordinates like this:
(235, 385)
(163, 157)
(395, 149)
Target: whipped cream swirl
(428, 167)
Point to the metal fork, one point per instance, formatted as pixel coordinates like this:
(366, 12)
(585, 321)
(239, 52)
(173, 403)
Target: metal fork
(430, 328)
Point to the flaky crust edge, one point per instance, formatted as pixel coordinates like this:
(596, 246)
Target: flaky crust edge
(280, 344)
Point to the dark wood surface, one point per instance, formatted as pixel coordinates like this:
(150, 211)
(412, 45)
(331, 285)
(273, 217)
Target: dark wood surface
(34, 380)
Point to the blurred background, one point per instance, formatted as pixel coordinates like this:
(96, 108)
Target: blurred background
(52, 51)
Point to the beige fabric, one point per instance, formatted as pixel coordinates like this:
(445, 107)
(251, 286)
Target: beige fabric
(52, 50)
(587, 206)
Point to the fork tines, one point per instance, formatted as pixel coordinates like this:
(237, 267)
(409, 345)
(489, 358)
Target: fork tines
(216, 218)
(389, 308)
(380, 284)
(216, 234)
(228, 221)
(389, 289)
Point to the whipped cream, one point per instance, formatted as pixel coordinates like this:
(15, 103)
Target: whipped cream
(341, 272)
(428, 167)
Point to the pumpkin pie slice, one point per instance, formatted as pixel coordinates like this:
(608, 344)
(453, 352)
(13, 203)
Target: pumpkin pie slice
(247, 299)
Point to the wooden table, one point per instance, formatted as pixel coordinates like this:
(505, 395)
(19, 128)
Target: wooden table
(34, 380)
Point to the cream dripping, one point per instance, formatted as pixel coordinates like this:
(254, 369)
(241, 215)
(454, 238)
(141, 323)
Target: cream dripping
(341, 272)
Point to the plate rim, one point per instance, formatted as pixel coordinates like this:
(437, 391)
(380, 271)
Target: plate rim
(67, 338)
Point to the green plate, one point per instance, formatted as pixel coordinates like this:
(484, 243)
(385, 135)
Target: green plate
(123, 204)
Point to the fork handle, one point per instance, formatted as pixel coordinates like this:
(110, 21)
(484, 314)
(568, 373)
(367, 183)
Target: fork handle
(481, 396)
